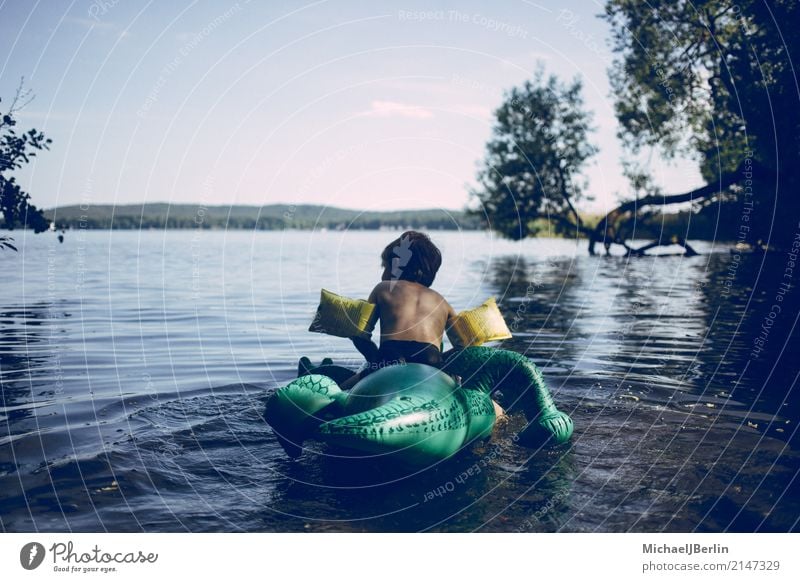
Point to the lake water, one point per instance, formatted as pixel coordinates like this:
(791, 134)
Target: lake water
(134, 368)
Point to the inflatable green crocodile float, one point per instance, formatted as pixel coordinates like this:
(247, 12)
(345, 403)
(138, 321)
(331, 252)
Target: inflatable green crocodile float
(413, 413)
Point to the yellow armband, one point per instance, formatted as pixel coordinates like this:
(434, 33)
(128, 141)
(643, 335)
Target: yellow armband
(474, 327)
(344, 317)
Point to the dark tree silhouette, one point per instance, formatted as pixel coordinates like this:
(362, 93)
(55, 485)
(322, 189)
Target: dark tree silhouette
(533, 162)
(16, 149)
(710, 79)
(716, 80)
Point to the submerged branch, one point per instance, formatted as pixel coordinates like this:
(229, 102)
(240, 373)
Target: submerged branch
(605, 232)
(675, 240)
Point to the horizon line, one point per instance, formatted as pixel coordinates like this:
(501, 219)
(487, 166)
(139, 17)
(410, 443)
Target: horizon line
(204, 205)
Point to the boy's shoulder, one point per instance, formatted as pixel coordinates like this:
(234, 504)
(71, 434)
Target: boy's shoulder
(392, 283)
(384, 287)
(377, 291)
(380, 287)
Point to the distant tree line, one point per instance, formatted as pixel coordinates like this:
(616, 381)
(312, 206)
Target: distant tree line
(712, 223)
(272, 217)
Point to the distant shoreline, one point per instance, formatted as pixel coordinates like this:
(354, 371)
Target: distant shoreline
(160, 216)
(310, 217)
(292, 229)
(244, 229)
(550, 235)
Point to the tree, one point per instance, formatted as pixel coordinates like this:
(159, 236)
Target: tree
(715, 80)
(534, 159)
(15, 151)
(709, 79)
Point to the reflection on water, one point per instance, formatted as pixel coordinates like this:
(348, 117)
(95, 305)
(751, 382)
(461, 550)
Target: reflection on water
(135, 370)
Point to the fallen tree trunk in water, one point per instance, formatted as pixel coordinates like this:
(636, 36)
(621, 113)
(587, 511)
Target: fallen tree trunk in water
(606, 229)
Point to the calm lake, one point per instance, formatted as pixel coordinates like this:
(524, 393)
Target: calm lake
(134, 368)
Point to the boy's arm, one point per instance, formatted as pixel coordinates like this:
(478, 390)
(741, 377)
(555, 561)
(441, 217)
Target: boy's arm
(367, 348)
(373, 296)
(365, 345)
(451, 316)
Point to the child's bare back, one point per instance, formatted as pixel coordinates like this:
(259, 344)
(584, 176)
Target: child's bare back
(410, 311)
(413, 316)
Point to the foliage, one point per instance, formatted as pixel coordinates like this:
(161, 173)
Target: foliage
(534, 159)
(16, 150)
(706, 79)
(715, 79)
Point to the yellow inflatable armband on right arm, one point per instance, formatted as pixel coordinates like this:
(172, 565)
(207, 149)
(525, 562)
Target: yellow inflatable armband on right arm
(474, 327)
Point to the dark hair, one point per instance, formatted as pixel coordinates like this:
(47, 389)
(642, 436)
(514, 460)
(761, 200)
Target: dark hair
(412, 257)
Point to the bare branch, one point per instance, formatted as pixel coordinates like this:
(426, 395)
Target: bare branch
(601, 230)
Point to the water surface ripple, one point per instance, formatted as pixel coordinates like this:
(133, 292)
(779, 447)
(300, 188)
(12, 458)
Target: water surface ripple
(134, 367)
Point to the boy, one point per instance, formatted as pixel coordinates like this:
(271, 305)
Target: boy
(413, 316)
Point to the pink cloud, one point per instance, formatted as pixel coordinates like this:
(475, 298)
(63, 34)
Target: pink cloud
(395, 109)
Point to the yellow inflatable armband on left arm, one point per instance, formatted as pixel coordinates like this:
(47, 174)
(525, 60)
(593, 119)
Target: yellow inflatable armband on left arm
(474, 327)
(344, 317)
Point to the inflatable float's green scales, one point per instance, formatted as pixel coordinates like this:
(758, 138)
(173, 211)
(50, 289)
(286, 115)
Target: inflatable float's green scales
(413, 413)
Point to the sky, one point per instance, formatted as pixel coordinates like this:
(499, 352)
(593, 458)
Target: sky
(372, 106)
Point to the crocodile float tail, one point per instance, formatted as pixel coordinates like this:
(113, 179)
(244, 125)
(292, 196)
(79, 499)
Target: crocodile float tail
(486, 369)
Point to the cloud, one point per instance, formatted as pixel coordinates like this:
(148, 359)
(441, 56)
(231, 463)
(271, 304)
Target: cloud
(395, 109)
